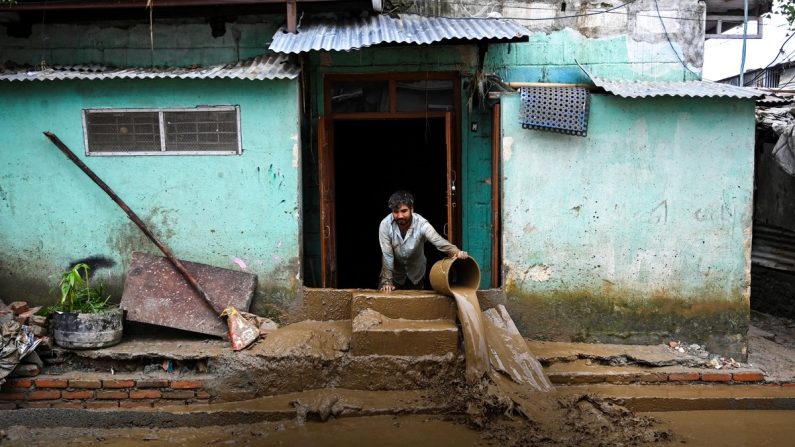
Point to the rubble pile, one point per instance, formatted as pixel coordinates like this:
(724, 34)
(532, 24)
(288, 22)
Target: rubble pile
(710, 360)
(21, 330)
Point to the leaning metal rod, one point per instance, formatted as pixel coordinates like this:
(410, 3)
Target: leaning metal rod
(134, 217)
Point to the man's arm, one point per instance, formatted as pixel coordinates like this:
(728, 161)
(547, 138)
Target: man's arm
(386, 282)
(442, 244)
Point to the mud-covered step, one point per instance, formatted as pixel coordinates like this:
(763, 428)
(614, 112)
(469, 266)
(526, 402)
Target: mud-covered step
(408, 304)
(376, 334)
(588, 372)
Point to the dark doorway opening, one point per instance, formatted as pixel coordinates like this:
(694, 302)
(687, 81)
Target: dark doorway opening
(374, 158)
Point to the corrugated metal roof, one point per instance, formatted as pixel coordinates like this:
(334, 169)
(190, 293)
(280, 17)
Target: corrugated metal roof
(258, 68)
(694, 89)
(350, 34)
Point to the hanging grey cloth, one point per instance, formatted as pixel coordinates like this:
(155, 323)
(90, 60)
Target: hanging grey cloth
(555, 109)
(784, 150)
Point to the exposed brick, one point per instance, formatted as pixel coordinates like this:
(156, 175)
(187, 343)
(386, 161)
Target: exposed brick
(61, 404)
(52, 383)
(178, 394)
(716, 377)
(21, 383)
(683, 377)
(85, 383)
(152, 383)
(13, 396)
(145, 394)
(22, 318)
(112, 395)
(44, 395)
(39, 404)
(77, 394)
(8, 406)
(136, 403)
(114, 383)
(748, 377)
(653, 377)
(96, 404)
(202, 395)
(186, 384)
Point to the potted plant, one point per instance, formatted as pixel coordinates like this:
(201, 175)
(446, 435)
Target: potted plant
(83, 317)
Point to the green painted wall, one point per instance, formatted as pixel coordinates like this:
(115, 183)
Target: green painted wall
(639, 232)
(218, 210)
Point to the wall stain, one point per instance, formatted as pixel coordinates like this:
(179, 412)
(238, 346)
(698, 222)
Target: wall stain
(613, 315)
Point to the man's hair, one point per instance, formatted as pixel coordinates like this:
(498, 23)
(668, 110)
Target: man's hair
(400, 198)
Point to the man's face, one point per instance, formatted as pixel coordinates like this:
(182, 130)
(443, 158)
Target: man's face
(402, 215)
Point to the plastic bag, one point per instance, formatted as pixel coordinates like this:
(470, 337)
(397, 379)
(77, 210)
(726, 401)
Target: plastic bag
(242, 332)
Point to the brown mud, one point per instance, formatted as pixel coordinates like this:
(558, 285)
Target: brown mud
(504, 381)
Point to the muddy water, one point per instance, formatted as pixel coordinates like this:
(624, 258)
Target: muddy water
(730, 428)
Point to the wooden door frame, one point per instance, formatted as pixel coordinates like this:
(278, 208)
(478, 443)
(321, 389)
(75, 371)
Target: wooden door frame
(327, 120)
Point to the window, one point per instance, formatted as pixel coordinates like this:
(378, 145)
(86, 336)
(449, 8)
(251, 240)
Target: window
(196, 131)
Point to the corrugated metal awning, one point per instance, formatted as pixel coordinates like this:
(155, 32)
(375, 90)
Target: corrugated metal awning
(259, 68)
(350, 34)
(688, 89)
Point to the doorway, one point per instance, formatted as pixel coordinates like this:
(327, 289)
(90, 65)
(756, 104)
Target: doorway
(374, 158)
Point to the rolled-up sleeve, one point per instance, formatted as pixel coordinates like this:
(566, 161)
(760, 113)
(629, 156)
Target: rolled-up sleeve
(438, 241)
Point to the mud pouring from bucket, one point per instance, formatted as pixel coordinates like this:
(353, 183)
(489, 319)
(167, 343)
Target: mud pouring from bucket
(492, 343)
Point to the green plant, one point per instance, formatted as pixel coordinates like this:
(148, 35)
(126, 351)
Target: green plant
(77, 294)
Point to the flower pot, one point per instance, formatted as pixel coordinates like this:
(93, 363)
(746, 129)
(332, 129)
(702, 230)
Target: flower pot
(87, 330)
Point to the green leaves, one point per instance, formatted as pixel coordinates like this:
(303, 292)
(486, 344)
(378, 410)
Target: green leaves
(77, 294)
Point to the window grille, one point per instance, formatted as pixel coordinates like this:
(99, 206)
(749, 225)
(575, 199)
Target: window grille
(196, 131)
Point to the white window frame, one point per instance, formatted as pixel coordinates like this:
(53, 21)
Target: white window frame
(161, 112)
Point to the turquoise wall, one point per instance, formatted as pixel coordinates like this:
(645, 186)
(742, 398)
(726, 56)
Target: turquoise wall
(640, 231)
(239, 212)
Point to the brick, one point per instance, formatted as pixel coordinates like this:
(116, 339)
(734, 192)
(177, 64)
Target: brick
(94, 404)
(40, 404)
(716, 377)
(44, 395)
(145, 394)
(13, 396)
(151, 383)
(186, 384)
(114, 383)
(52, 383)
(136, 404)
(203, 395)
(178, 394)
(112, 395)
(61, 404)
(21, 383)
(8, 406)
(653, 377)
(22, 318)
(683, 377)
(77, 394)
(19, 307)
(788, 385)
(85, 383)
(748, 377)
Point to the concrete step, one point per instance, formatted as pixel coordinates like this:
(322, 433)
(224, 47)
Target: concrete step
(408, 304)
(585, 372)
(376, 334)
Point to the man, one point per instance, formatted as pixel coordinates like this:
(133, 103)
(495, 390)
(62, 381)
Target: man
(402, 235)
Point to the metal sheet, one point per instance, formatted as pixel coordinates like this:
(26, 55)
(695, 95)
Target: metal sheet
(773, 247)
(331, 34)
(555, 109)
(155, 293)
(275, 66)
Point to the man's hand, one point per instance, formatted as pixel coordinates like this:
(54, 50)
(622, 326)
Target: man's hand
(387, 288)
(461, 255)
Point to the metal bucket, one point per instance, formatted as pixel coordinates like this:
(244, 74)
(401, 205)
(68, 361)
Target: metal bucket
(451, 273)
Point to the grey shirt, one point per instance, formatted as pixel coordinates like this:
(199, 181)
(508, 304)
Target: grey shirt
(404, 257)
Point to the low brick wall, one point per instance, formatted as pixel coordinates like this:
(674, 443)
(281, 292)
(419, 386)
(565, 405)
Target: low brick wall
(677, 377)
(81, 392)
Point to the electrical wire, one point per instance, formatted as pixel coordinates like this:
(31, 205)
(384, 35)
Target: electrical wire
(662, 22)
(778, 53)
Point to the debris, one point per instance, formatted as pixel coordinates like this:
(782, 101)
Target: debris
(16, 341)
(26, 370)
(18, 307)
(243, 329)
